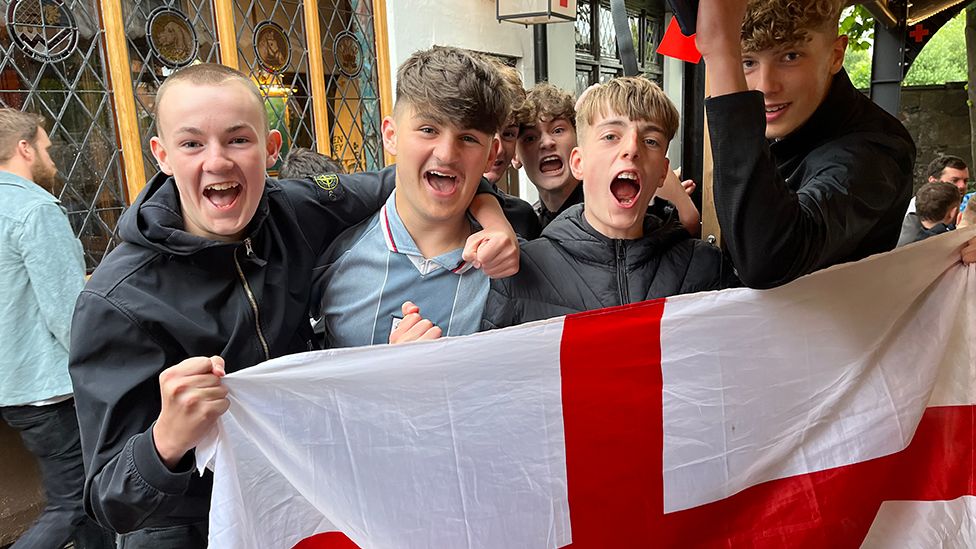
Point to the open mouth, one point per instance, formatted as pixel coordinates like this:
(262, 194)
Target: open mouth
(625, 188)
(441, 182)
(551, 165)
(222, 195)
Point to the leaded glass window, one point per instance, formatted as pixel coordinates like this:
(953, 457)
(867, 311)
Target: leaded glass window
(52, 63)
(163, 36)
(352, 83)
(272, 49)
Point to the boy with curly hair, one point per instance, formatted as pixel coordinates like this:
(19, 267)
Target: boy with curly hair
(808, 171)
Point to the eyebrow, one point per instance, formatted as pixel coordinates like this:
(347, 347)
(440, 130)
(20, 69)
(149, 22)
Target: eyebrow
(197, 131)
(620, 122)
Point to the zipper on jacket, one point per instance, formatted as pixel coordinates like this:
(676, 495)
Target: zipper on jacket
(249, 251)
(622, 288)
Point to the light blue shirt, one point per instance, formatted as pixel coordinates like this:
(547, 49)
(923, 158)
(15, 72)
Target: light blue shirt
(42, 271)
(374, 267)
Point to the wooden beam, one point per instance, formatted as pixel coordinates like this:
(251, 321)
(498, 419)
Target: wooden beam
(226, 33)
(316, 77)
(710, 226)
(383, 64)
(126, 120)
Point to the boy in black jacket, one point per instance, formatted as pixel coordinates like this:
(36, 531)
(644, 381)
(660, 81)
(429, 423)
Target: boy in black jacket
(808, 171)
(609, 250)
(213, 275)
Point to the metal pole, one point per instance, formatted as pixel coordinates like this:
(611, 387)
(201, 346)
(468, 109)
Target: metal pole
(541, 53)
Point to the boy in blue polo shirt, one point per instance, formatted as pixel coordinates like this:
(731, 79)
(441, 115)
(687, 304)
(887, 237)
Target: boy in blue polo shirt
(447, 111)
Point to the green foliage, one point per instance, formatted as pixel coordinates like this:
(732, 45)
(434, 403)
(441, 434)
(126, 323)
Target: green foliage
(858, 24)
(944, 58)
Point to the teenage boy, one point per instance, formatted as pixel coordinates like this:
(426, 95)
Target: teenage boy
(938, 208)
(808, 171)
(547, 135)
(443, 134)
(609, 250)
(214, 274)
(519, 213)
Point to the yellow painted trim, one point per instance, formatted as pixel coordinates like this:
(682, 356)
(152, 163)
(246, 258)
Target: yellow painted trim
(383, 64)
(226, 33)
(316, 76)
(126, 121)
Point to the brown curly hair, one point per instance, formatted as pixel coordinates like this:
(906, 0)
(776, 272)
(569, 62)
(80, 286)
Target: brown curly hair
(545, 102)
(772, 23)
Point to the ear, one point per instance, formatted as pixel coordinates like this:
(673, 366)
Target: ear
(26, 151)
(666, 171)
(389, 132)
(160, 154)
(837, 51)
(496, 144)
(576, 163)
(273, 147)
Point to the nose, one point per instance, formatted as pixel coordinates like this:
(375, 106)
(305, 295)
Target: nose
(446, 151)
(217, 160)
(629, 145)
(546, 141)
(766, 80)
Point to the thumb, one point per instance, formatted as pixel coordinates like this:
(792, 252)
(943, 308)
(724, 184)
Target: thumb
(217, 366)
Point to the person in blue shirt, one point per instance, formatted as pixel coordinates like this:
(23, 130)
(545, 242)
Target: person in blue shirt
(447, 112)
(42, 271)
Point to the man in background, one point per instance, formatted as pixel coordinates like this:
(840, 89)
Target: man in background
(42, 271)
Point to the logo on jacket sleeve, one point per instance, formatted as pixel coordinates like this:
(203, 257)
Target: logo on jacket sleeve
(329, 183)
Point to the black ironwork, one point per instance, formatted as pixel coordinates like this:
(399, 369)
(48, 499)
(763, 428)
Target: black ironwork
(43, 29)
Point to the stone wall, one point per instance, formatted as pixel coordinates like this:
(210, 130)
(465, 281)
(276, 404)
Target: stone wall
(938, 119)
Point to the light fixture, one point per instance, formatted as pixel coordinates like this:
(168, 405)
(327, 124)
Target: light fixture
(536, 12)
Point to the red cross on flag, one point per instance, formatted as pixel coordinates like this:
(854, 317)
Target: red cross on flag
(836, 411)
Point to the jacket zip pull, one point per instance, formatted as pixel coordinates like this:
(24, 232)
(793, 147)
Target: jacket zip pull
(622, 287)
(248, 248)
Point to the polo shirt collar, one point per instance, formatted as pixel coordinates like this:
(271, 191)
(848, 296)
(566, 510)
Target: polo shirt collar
(399, 241)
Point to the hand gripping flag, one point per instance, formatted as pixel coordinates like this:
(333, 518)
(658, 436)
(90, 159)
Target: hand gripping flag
(836, 411)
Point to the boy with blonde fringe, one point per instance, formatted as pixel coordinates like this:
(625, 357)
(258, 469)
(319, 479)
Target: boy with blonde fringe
(609, 250)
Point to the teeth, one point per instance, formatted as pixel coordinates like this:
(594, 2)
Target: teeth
(627, 175)
(221, 186)
(550, 157)
(775, 109)
(439, 174)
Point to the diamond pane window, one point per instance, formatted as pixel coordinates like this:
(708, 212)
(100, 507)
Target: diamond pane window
(163, 36)
(584, 28)
(608, 38)
(52, 63)
(352, 83)
(273, 52)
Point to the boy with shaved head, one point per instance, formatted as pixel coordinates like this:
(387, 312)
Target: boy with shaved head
(214, 274)
(610, 250)
(808, 171)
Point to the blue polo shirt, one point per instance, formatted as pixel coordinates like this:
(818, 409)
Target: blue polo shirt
(372, 268)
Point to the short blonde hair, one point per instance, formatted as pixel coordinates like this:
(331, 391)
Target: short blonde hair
(631, 96)
(772, 23)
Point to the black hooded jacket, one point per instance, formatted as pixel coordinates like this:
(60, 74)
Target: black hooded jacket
(165, 295)
(574, 268)
(833, 190)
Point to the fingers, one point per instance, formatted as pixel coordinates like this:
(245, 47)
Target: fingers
(413, 327)
(408, 307)
(689, 186)
(471, 245)
(494, 253)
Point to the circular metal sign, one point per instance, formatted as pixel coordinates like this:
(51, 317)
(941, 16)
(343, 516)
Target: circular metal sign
(348, 54)
(271, 46)
(171, 37)
(45, 30)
